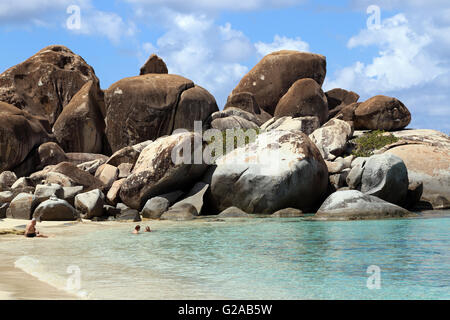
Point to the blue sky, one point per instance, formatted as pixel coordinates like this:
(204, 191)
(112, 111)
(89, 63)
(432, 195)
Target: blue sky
(214, 43)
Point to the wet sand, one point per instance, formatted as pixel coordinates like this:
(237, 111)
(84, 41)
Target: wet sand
(16, 284)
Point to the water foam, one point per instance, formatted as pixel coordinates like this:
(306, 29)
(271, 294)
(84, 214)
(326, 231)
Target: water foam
(34, 268)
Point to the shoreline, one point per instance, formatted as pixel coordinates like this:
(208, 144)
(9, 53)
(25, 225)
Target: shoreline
(17, 284)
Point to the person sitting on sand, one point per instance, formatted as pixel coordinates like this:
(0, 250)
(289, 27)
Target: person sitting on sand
(147, 229)
(137, 229)
(31, 232)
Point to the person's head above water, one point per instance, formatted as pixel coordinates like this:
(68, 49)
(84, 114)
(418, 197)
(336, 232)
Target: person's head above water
(147, 229)
(137, 228)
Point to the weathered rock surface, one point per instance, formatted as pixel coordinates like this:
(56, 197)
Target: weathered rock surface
(338, 99)
(90, 204)
(381, 113)
(6, 196)
(155, 172)
(7, 179)
(154, 64)
(107, 174)
(55, 209)
(20, 132)
(354, 205)
(44, 192)
(113, 195)
(90, 166)
(232, 122)
(304, 98)
(196, 104)
(307, 125)
(281, 169)
(80, 126)
(124, 155)
(331, 139)
(76, 176)
(3, 208)
(386, 177)
(430, 165)
(155, 207)
(246, 102)
(46, 82)
(415, 191)
(272, 77)
(129, 215)
(195, 197)
(146, 107)
(181, 213)
(287, 213)
(233, 212)
(71, 192)
(22, 206)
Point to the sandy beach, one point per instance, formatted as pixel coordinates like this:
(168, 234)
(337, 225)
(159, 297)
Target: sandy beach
(16, 284)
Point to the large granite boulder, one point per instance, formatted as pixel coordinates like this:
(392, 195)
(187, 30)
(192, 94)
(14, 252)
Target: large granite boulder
(355, 205)
(183, 212)
(146, 107)
(7, 179)
(44, 192)
(68, 175)
(80, 126)
(304, 98)
(20, 132)
(196, 104)
(234, 118)
(49, 153)
(338, 99)
(431, 165)
(165, 165)
(386, 177)
(195, 197)
(272, 77)
(281, 169)
(233, 212)
(90, 204)
(154, 64)
(332, 137)
(246, 101)
(55, 209)
(307, 125)
(107, 174)
(155, 207)
(45, 83)
(22, 206)
(381, 113)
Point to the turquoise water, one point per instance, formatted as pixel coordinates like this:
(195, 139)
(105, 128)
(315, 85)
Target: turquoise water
(256, 259)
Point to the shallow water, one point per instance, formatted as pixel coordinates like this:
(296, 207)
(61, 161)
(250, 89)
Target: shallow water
(249, 259)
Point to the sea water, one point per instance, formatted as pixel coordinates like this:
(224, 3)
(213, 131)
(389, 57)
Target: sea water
(249, 259)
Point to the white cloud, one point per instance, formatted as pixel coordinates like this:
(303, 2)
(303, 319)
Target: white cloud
(210, 5)
(45, 13)
(23, 11)
(107, 24)
(412, 64)
(210, 55)
(281, 43)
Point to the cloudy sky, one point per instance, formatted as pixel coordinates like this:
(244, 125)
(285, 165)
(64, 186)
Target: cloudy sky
(404, 51)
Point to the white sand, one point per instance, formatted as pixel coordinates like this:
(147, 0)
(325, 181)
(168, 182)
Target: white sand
(16, 284)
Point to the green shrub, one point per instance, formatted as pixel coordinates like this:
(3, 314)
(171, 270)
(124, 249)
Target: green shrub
(371, 141)
(224, 140)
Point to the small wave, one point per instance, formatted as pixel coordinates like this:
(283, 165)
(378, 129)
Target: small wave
(34, 268)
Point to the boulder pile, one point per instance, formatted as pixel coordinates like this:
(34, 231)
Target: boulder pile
(153, 146)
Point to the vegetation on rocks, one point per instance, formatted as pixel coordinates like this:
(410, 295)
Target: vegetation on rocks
(371, 141)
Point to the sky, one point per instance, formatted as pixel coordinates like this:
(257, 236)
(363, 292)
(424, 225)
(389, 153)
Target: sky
(398, 48)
